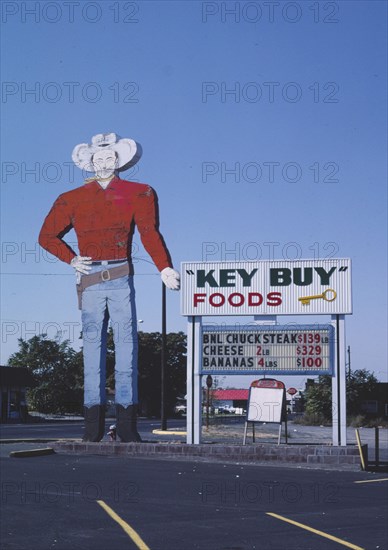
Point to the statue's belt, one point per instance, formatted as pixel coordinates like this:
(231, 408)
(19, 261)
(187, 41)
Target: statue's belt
(100, 277)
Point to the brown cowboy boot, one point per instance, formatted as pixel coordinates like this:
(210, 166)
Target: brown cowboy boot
(126, 423)
(94, 423)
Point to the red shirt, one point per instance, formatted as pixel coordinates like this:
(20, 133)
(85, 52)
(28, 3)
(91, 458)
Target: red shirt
(104, 221)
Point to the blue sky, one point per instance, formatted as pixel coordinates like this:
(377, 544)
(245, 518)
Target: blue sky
(259, 124)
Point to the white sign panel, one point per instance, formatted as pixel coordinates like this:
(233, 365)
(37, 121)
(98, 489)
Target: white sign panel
(308, 349)
(265, 405)
(277, 287)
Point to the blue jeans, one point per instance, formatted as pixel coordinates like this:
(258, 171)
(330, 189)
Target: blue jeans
(114, 300)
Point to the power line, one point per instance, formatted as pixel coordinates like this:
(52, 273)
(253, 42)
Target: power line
(65, 274)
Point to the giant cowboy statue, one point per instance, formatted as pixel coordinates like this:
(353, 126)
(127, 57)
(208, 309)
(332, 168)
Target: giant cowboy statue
(104, 212)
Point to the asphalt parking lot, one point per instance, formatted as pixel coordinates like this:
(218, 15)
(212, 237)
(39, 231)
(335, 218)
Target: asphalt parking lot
(93, 502)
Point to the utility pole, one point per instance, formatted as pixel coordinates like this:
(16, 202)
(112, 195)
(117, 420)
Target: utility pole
(163, 361)
(348, 365)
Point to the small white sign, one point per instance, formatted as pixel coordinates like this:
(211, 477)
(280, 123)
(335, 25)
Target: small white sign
(265, 405)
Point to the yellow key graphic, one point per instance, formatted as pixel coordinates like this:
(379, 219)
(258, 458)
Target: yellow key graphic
(328, 295)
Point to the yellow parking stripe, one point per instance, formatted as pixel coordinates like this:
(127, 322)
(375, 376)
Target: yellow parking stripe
(168, 432)
(372, 480)
(321, 533)
(127, 528)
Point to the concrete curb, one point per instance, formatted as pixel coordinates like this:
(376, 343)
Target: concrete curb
(32, 452)
(168, 432)
(309, 456)
(37, 440)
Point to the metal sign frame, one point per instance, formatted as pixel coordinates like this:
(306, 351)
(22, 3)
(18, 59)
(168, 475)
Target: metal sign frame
(300, 330)
(194, 348)
(256, 405)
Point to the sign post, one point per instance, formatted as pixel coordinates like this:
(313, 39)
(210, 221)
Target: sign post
(338, 386)
(265, 289)
(194, 386)
(292, 392)
(209, 383)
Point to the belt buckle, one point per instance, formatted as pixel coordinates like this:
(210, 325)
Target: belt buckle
(105, 275)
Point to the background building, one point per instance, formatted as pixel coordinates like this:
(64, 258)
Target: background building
(14, 382)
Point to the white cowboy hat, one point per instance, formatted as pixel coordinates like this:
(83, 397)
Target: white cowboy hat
(127, 150)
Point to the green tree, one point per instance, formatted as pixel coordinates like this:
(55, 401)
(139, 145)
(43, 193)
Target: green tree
(58, 372)
(149, 364)
(150, 371)
(318, 400)
(360, 386)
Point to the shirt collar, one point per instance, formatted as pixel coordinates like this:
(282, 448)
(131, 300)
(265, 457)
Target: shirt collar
(96, 185)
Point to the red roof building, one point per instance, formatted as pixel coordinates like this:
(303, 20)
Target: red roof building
(230, 395)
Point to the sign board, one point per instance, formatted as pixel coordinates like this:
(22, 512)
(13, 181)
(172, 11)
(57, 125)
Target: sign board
(260, 289)
(259, 349)
(292, 391)
(268, 383)
(273, 287)
(265, 405)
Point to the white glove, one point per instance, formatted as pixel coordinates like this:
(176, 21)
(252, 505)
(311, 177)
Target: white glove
(81, 264)
(171, 278)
